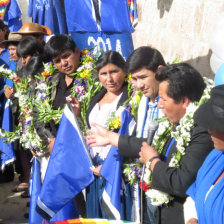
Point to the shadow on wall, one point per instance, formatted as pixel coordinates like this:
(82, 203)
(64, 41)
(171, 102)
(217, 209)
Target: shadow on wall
(202, 64)
(164, 6)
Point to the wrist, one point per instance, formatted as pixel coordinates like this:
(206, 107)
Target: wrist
(113, 138)
(155, 160)
(109, 137)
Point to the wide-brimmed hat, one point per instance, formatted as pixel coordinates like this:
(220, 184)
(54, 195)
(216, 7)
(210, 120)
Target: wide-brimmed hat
(34, 28)
(211, 114)
(13, 37)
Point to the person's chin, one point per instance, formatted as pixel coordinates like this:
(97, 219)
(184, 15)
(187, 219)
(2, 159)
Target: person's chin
(146, 94)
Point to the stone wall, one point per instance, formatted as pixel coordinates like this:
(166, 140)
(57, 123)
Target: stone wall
(179, 29)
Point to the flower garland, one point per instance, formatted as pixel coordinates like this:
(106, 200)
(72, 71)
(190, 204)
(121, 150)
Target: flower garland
(182, 135)
(86, 84)
(25, 130)
(43, 101)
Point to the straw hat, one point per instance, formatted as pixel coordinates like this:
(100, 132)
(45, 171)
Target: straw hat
(13, 37)
(34, 28)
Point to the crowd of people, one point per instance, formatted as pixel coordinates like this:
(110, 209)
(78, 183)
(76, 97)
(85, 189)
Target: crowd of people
(185, 156)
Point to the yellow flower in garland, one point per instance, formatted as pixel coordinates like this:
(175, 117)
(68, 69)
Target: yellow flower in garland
(85, 74)
(114, 123)
(136, 98)
(89, 59)
(129, 77)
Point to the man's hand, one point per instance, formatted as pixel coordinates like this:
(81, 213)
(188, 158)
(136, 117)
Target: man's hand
(96, 170)
(34, 153)
(147, 152)
(51, 144)
(192, 221)
(99, 136)
(75, 105)
(8, 92)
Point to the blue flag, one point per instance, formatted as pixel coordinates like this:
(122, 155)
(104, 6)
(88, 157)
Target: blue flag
(7, 149)
(97, 15)
(68, 170)
(48, 13)
(112, 192)
(67, 212)
(12, 16)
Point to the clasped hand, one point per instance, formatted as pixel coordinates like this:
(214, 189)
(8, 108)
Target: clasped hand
(75, 105)
(147, 152)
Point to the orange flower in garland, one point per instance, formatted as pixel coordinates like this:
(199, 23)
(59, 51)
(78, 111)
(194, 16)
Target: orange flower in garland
(45, 74)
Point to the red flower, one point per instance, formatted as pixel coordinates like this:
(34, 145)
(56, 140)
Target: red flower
(21, 121)
(145, 186)
(17, 79)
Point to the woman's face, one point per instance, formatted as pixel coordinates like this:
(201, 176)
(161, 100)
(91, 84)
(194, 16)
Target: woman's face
(26, 59)
(218, 139)
(112, 78)
(12, 51)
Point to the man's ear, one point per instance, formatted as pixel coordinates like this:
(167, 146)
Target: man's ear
(77, 51)
(186, 102)
(159, 67)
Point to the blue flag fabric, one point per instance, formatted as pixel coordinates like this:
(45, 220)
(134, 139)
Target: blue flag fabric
(7, 149)
(68, 170)
(112, 192)
(48, 13)
(97, 15)
(34, 188)
(67, 212)
(12, 16)
(115, 16)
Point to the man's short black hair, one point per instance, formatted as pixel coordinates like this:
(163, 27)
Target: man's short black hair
(58, 44)
(184, 81)
(144, 57)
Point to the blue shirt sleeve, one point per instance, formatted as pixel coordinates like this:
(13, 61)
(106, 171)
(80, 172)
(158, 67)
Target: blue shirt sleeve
(4, 58)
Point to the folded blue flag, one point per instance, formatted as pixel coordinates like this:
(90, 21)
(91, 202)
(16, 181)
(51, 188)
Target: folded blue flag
(111, 198)
(7, 149)
(48, 13)
(12, 16)
(68, 170)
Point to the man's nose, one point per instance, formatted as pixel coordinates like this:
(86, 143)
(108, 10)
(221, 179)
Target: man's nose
(160, 104)
(23, 61)
(64, 62)
(140, 84)
(109, 77)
